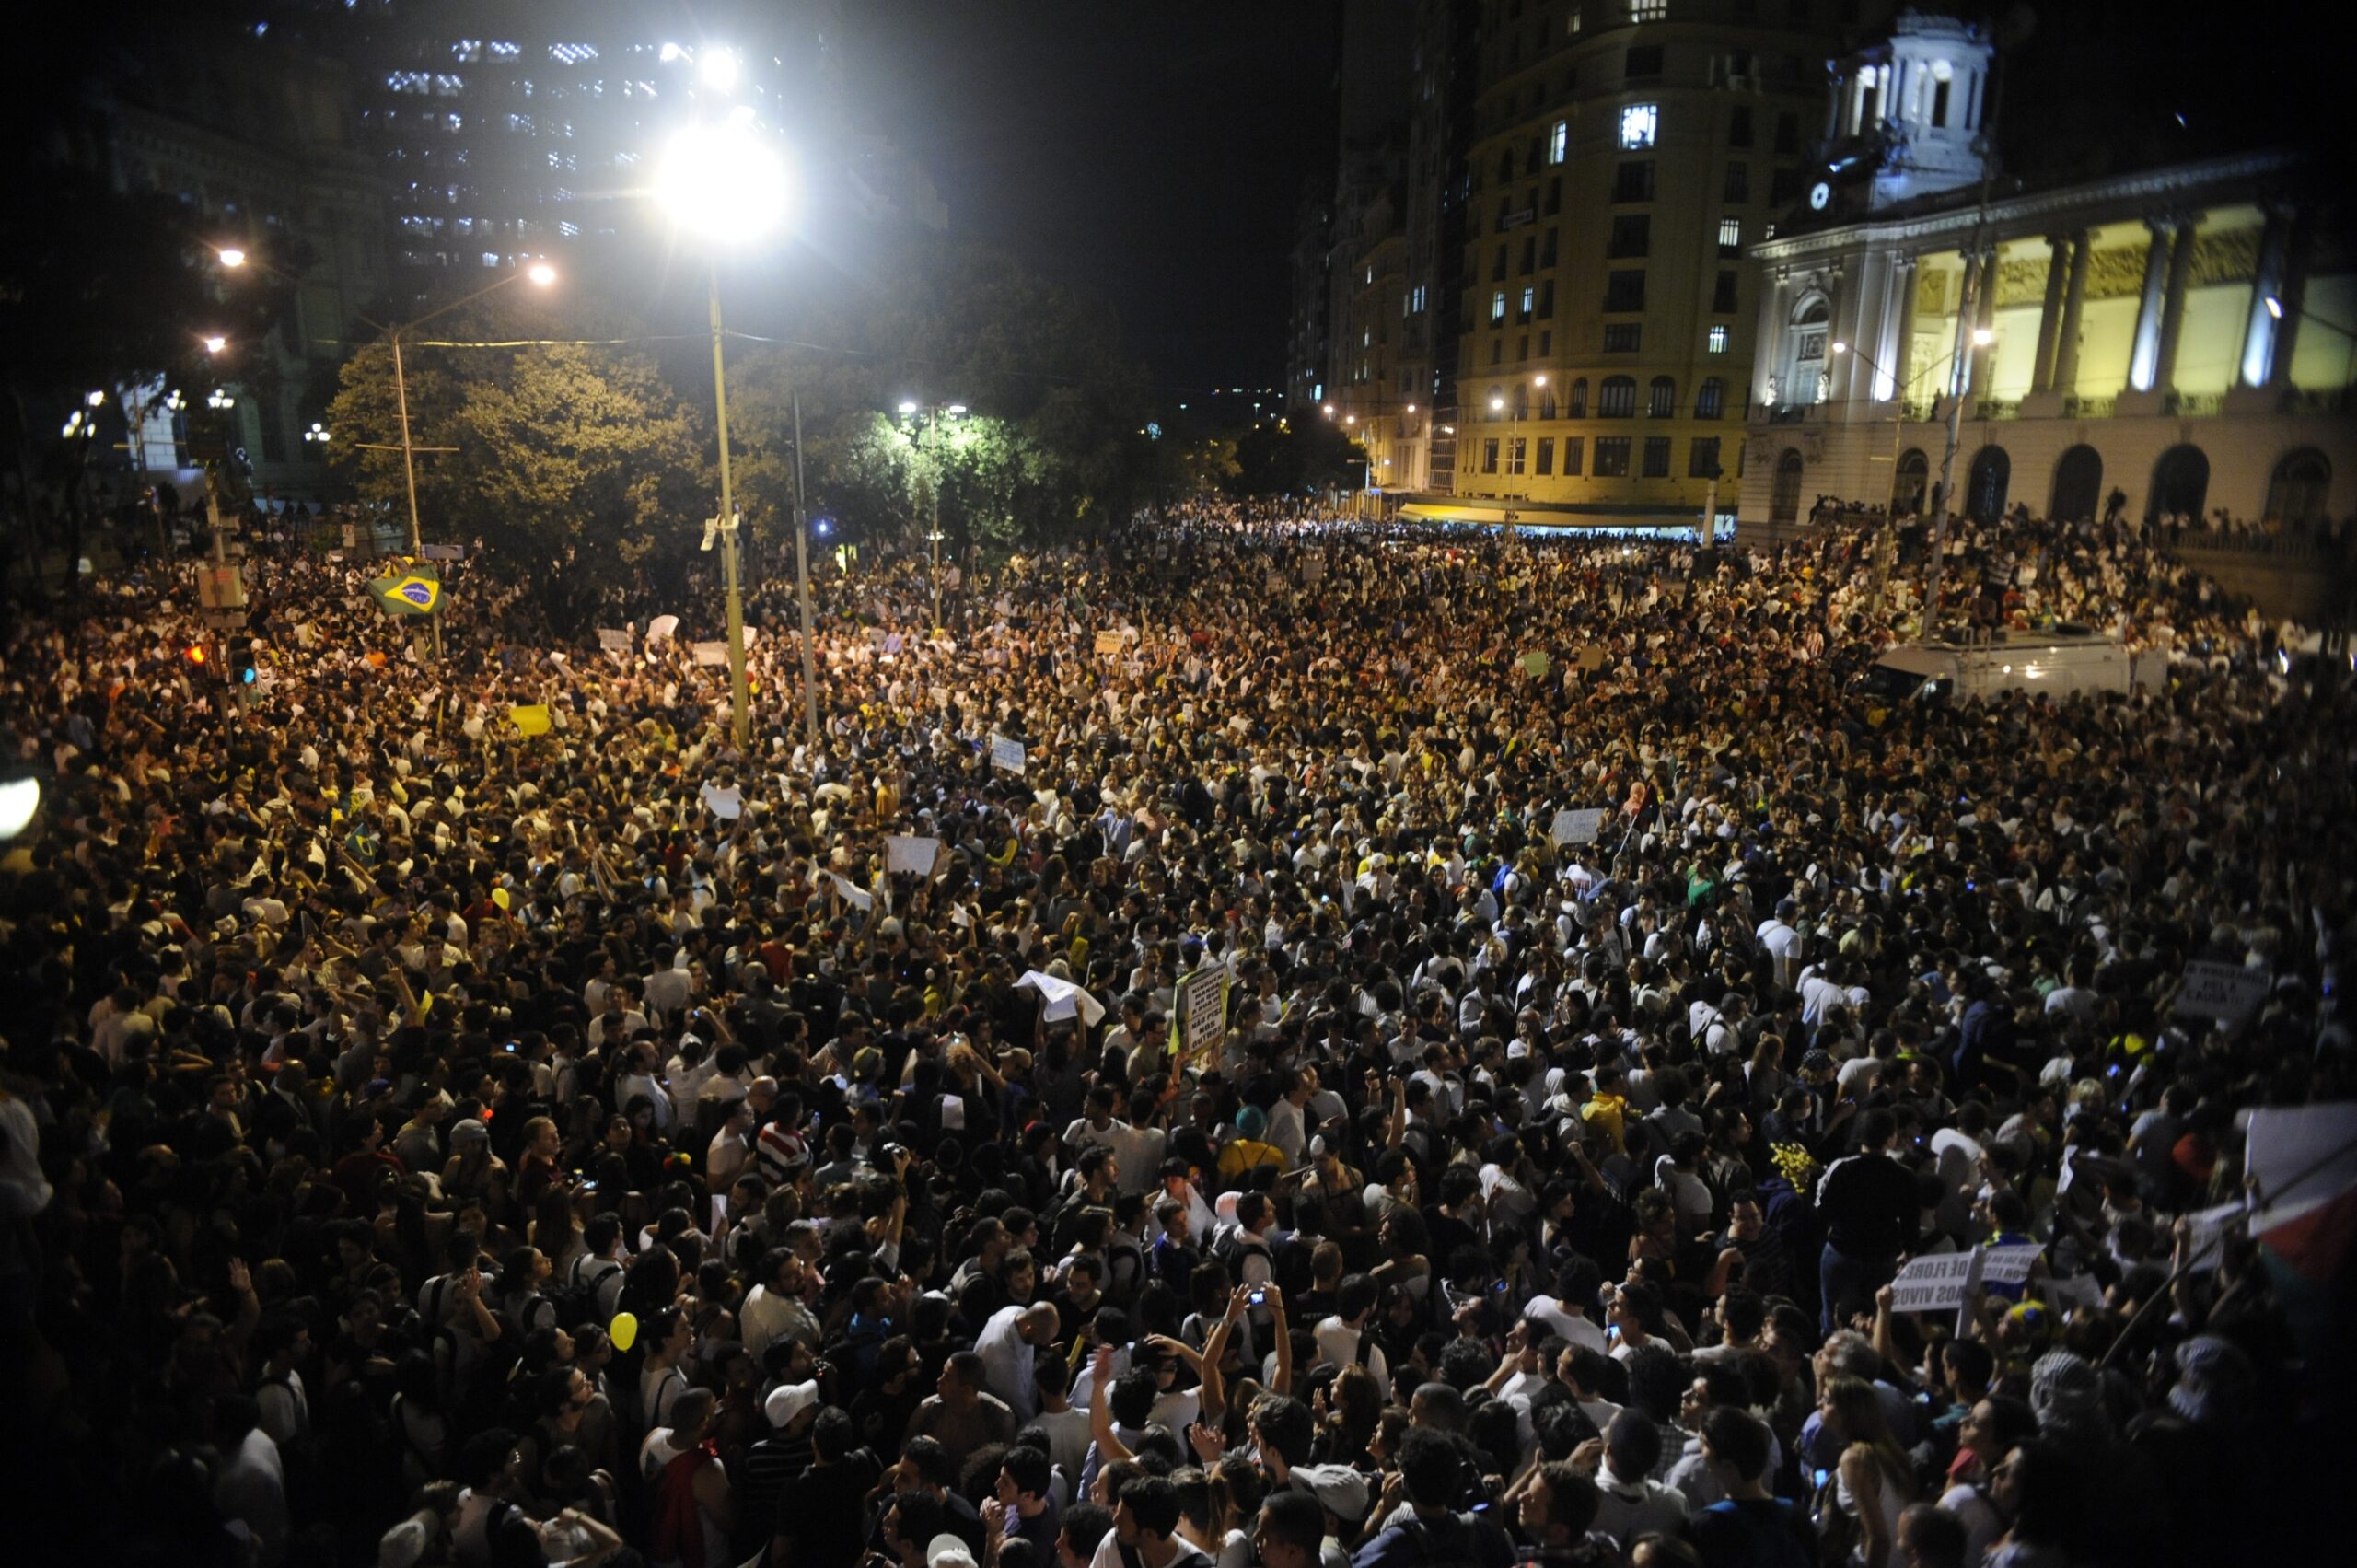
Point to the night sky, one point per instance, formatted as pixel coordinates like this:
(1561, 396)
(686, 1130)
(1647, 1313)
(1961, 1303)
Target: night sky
(1152, 155)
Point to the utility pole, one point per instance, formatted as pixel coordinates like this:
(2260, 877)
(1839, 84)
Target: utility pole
(408, 482)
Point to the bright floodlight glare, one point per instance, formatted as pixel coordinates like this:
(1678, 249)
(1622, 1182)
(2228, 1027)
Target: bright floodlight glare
(1982, 337)
(1841, 347)
(956, 407)
(726, 181)
(1496, 403)
(214, 344)
(96, 400)
(232, 257)
(718, 69)
(542, 273)
(908, 406)
(19, 798)
(1542, 380)
(2275, 308)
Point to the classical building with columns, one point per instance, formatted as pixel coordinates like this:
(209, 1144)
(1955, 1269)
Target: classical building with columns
(2179, 335)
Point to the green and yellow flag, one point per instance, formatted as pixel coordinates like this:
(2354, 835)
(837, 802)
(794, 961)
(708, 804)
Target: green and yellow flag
(414, 592)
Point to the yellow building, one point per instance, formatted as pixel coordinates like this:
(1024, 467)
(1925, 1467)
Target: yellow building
(1627, 153)
(2179, 335)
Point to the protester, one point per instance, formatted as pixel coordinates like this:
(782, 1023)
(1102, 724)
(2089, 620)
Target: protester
(1361, 1070)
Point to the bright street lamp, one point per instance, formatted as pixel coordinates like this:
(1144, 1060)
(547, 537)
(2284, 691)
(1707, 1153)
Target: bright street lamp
(729, 184)
(1982, 337)
(718, 68)
(907, 407)
(215, 344)
(231, 256)
(96, 400)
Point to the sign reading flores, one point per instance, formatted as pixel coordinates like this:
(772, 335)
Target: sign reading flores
(1944, 1280)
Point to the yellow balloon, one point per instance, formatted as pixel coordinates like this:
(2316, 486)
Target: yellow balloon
(623, 1329)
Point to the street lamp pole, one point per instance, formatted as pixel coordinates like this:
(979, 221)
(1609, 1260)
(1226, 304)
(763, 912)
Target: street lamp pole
(739, 691)
(802, 584)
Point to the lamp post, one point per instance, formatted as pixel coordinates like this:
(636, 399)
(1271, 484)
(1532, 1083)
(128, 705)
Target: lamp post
(539, 274)
(910, 409)
(727, 183)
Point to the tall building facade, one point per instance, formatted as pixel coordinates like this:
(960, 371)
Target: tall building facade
(509, 130)
(260, 136)
(1575, 303)
(2176, 336)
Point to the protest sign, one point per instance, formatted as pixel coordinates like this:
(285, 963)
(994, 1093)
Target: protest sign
(710, 655)
(1109, 643)
(858, 899)
(1008, 754)
(1063, 998)
(1591, 658)
(531, 718)
(912, 855)
(613, 639)
(1576, 827)
(662, 626)
(1936, 1284)
(727, 804)
(1534, 663)
(2228, 992)
(1204, 994)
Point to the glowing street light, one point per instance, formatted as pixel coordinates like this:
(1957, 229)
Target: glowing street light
(719, 69)
(1982, 337)
(96, 400)
(214, 343)
(231, 256)
(317, 433)
(217, 399)
(542, 274)
(907, 407)
(730, 185)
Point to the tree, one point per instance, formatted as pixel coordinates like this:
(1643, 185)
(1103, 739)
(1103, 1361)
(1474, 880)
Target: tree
(1053, 443)
(574, 454)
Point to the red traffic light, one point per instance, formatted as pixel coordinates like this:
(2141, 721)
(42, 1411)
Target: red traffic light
(195, 653)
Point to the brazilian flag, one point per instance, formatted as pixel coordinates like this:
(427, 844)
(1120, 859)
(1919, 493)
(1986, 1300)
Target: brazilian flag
(414, 592)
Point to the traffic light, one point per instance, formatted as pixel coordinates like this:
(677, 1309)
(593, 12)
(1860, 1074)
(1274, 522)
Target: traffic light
(241, 664)
(193, 652)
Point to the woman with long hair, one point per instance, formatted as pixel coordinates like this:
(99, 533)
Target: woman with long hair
(1875, 1482)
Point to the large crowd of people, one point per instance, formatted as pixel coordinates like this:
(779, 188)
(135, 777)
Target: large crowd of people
(1254, 1041)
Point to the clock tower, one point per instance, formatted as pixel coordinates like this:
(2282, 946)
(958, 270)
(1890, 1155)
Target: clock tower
(1908, 118)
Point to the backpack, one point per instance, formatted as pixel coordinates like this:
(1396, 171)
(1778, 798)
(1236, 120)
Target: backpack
(577, 1303)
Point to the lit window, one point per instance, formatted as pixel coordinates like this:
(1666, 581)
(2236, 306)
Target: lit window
(1529, 297)
(571, 53)
(507, 51)
(1571, 23)
(1648, 10)
(467, 51)
(1497, 307)
(409, 82)
(1560, 144)
(1718, 340)
(1637, 123)
(1730, 234)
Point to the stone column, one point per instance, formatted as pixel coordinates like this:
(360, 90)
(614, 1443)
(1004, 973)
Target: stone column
(2260, 329)
(1985, 319)
(2075, 297)
(2144, 345)
(2188, 236)
(1901, 350)
(2291, 295)
(2050, 315)
(1770, 346)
